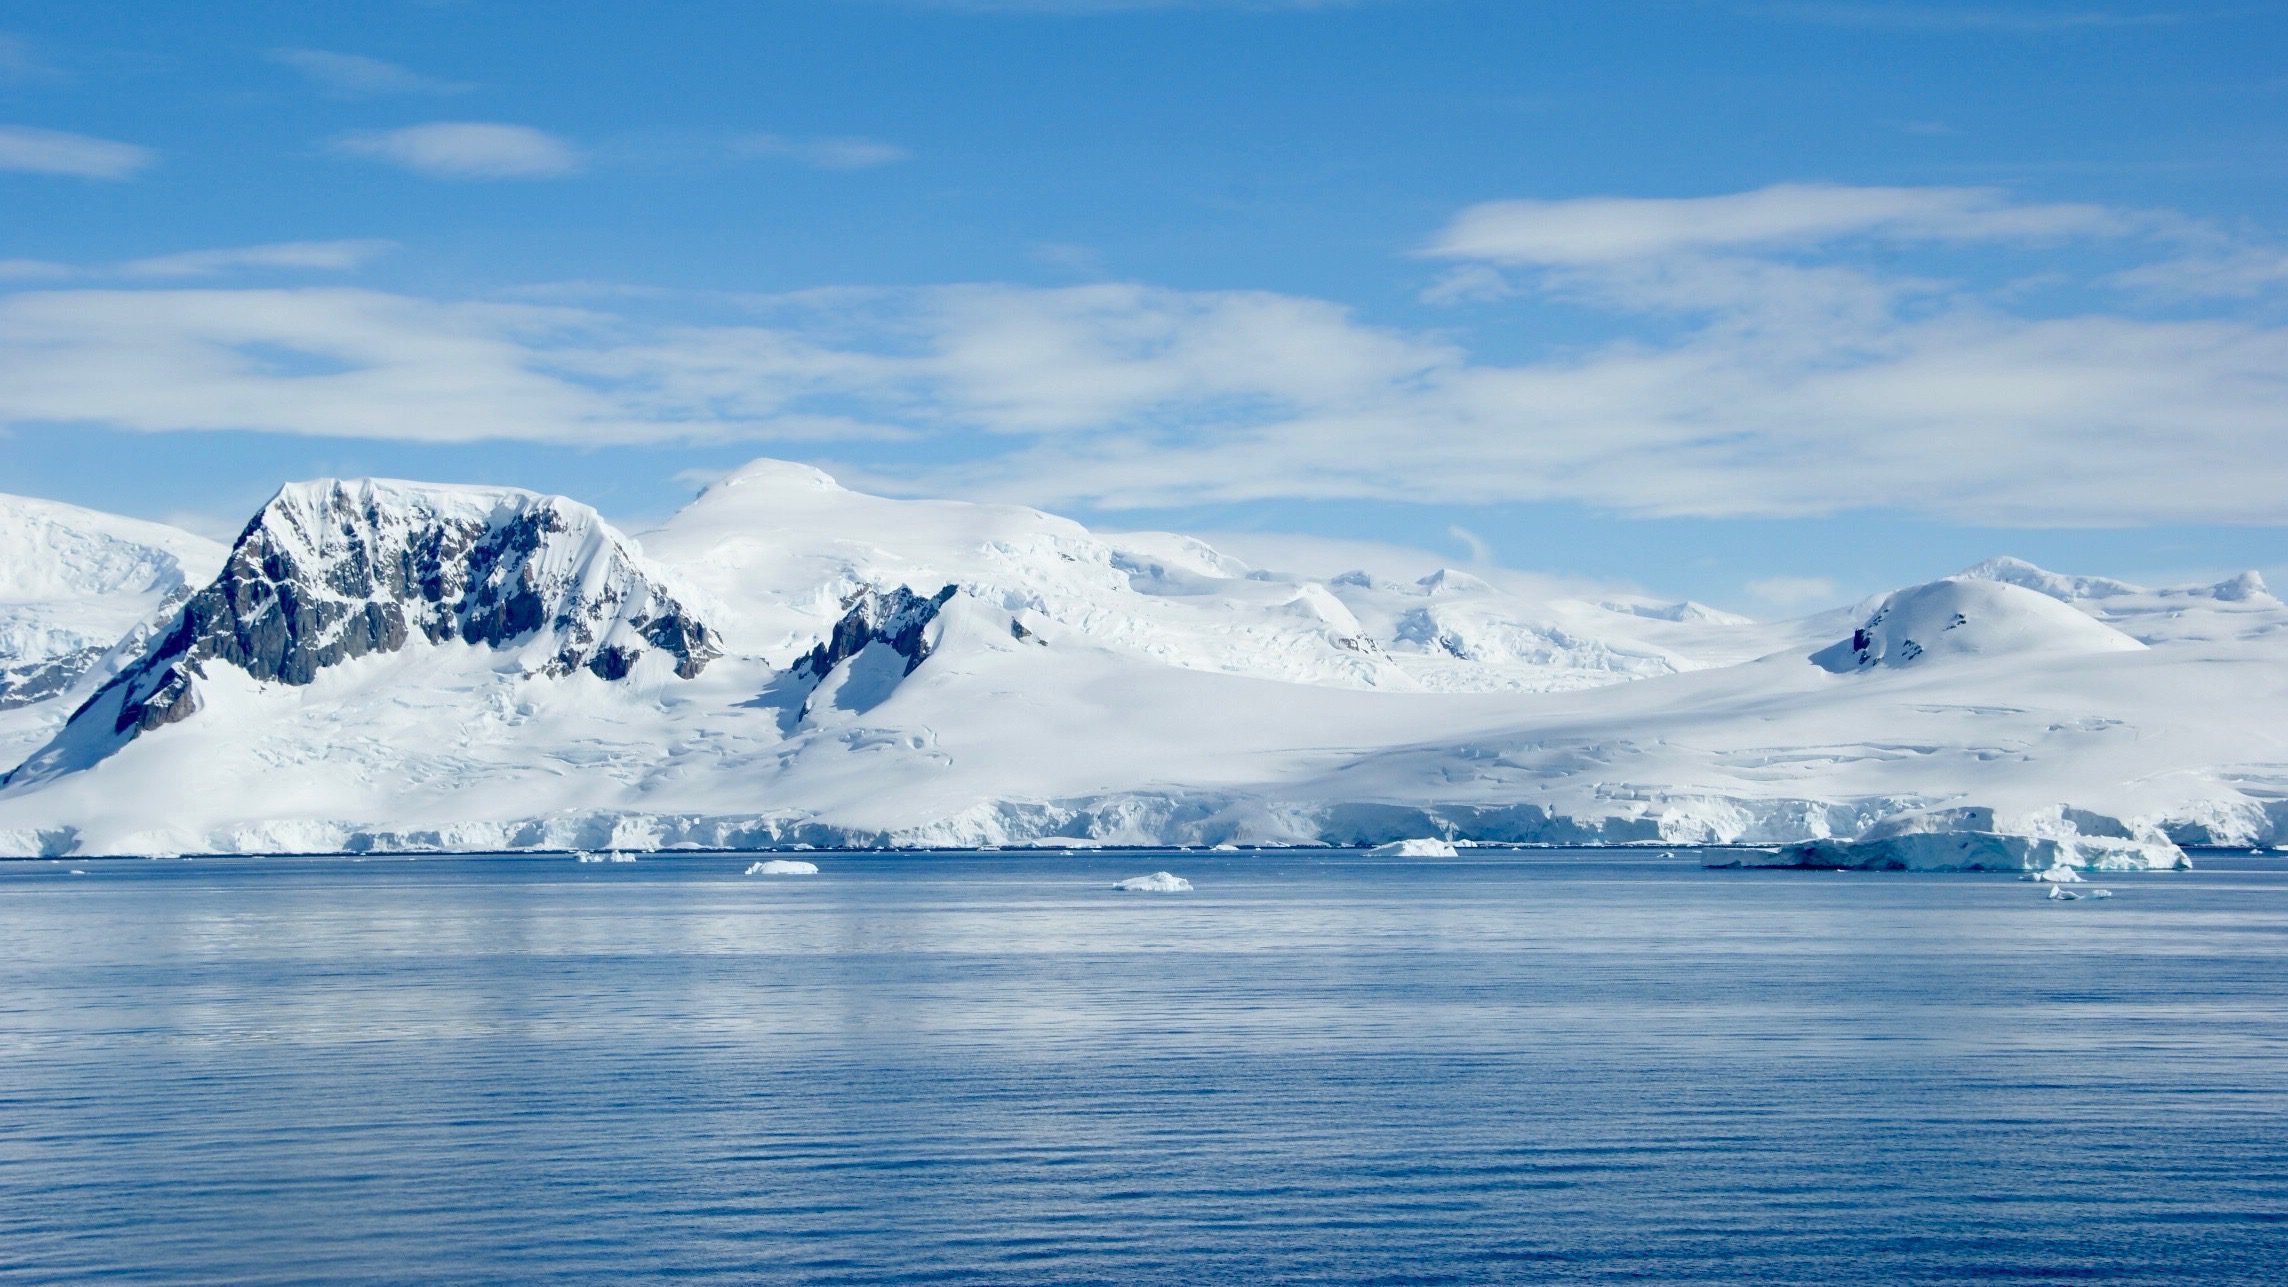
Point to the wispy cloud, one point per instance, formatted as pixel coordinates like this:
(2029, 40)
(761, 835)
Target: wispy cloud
(357, 76)
(38, 151)
(330, 363)
(1829, 383)
(1480, 551)
(823, 153)
(1603, 230)
(295, 256)
(32, 270)
(470, 150)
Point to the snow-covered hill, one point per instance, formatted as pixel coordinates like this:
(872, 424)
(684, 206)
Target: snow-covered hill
(1967, 617)
(780, 548)
(2240, 607)
(786, 661)
(73, 584)
(331, 572)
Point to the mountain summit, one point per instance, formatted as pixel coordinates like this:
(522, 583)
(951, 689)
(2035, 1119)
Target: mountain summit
(332, 571)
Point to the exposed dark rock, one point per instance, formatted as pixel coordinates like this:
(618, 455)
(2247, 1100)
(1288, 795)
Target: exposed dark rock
(26, 682)
(330, 572)
(896, 617)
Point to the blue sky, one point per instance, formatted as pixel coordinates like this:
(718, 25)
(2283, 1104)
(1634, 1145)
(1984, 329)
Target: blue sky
(1770, 304)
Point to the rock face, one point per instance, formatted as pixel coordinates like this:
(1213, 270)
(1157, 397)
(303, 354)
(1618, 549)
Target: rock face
(897, 617)
(331, 571)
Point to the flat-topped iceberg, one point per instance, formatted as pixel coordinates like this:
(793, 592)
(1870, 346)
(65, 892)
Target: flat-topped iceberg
(783, 867)
(1414, 849)
(1159, 882)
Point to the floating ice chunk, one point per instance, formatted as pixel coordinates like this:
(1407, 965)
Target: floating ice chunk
(2097, 893)
(2060, 894)
(616, 856)
(77, 872)
(1158, 882)
(1227, 849)
(783, 867)
(1414, 849)
(584, 856)
(2057, 875)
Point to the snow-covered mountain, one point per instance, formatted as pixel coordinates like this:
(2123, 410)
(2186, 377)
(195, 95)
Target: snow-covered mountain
(2240, 607)
(331, 572)
(781, 547)
(1968, 617)
(74, 585)
(786, 661)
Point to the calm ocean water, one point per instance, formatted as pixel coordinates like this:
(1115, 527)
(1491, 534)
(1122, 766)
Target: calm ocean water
(1551, 1066)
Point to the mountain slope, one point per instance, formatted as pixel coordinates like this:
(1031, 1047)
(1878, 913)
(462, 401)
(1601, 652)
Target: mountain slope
(73, 584)
(796, 663)
(1965, 617)
(331, 572)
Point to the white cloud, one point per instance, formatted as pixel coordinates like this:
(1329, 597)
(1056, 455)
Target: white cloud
(329, 363)
(1609, 230)
(1795, 592)
(470, 150)
(823, 153)
(1480, 552)
(357, 76)
(2213, 271)
(303, 256)
(28, 270)
(38, 151)
(1827, 384)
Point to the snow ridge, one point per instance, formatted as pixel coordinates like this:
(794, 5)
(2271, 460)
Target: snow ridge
(331, 571)
(409, 666)
(73, 581)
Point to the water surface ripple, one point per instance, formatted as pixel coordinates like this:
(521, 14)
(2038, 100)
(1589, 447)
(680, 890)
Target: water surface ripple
(1549, 1066)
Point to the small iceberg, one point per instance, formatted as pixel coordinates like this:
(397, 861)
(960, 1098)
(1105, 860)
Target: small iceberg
(2057, 875)
(1414, 849)
(783, 867)
(1159, 882)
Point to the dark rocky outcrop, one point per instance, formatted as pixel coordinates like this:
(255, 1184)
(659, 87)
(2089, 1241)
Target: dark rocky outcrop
(897, 617)
(329, 572)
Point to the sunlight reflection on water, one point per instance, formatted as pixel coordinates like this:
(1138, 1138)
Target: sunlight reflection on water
(994, 1068)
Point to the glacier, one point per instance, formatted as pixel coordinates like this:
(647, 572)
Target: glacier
(386, 666)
